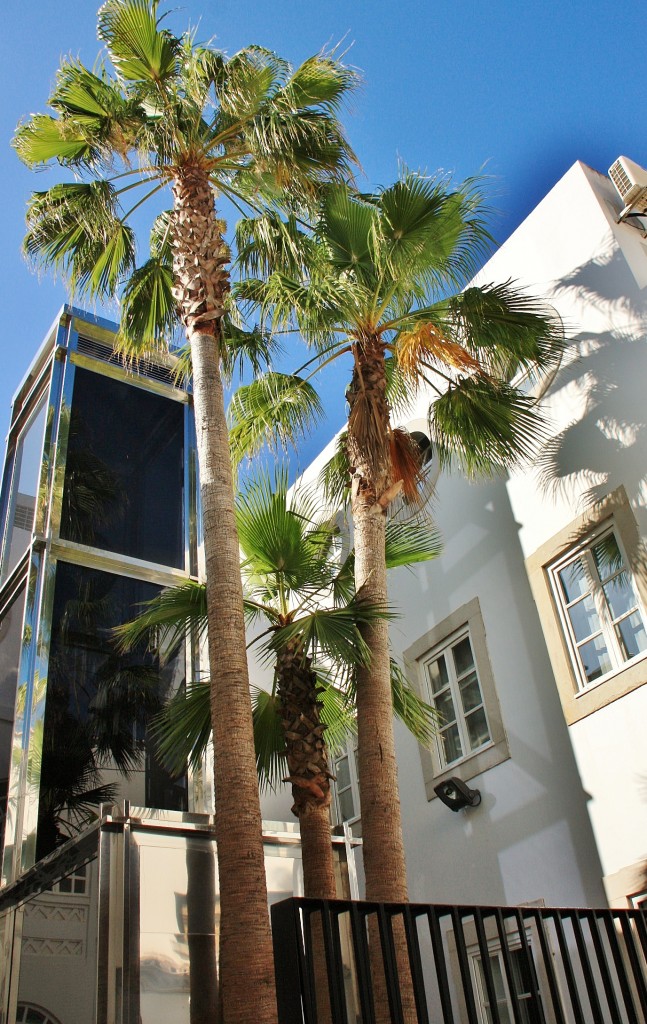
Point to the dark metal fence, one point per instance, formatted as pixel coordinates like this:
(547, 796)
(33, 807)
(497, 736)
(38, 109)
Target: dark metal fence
(458, 965)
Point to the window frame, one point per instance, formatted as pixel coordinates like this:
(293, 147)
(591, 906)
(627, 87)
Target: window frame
(584, 551)
(466, 620)
(454, 678)
(350, 754)
(614, 512)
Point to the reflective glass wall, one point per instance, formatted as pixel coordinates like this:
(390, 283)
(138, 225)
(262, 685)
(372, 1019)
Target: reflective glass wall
(98, 514)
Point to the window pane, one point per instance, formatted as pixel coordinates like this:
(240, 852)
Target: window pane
(451, 744)
(619, 594)
(445, 706)
(595, 658)
(342, 772)
(632, 636)
(584, 618)
(346, 805)
(574, 581)
(470, 692)
(477, 729)
(437, 674)
(463, 657)
(22, 508)
(124, 485)
(607, 557)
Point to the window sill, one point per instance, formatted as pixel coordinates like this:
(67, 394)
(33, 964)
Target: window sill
(476, 764)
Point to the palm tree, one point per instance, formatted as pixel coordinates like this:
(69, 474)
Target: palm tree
(164, 112)
(378, 278)
(297, 585)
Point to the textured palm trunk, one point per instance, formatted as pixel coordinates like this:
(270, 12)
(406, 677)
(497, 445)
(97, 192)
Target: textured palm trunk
(308, 768)
(368, 450)
(371, 483)
(246, 962)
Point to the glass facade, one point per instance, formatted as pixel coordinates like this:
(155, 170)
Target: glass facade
(100, 488)
(123, 489)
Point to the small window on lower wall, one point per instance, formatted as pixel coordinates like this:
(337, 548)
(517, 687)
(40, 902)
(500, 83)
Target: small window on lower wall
(451, 669)
(591, 593)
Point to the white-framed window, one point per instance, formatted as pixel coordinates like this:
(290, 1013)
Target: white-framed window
(454, 689)
(347, 785)
(450, 667)
(523, 979)
(601, 614)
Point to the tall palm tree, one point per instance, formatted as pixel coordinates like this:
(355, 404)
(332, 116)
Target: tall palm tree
(379, 278)
(163, 112)
(301, 605)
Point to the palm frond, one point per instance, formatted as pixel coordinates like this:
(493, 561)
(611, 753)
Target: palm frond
(334, 478)
(171, 616)
(269, 740)
(421, 719)
(411, 542)
(484, 425)
(182, 729)
(140, 51)
(275, 410)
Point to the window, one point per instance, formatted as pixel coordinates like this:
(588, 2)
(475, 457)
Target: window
(73, 884)
(455, 692)
(590, 586)
(450, 667)
(599, 606)
(347, 786)
(525, 987)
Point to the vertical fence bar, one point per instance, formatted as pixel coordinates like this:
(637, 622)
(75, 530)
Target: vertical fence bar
(464, 965)
(639, 977)
(547, 959)
(442, 977)
(568, 969)
(415, 962)
(621, 974)
(362, 963)
(389, 959)
(589, 980)
(601, 957)
(486, 966)
(335, 970)
(292, 1001)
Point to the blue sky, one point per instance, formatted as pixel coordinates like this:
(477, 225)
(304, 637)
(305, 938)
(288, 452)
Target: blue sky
(519, 90)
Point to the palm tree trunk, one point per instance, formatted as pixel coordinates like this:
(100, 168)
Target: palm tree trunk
(382, 841)
(246, 962)
(368, 450)
(308, 767)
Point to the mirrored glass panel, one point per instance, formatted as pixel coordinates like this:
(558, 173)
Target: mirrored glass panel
(26, 477)
(124, 478)
(10, 648)
(96, 742)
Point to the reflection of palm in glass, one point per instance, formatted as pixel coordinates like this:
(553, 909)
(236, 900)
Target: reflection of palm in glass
(99, 702)
(93, 495)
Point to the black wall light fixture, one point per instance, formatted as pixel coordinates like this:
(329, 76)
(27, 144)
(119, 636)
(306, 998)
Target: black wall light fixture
(455, 794)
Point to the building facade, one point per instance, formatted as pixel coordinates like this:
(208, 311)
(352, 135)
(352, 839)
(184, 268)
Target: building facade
(528, 633)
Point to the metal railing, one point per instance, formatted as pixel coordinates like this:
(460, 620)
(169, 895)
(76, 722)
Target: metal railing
(343, 962)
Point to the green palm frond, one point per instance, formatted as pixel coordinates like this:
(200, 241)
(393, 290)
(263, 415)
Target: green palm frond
(44, 138)
(332, 632)
(411, 542)
(171, 615)
(421, 719)
(269, 740)
(275, 410)
(484, 425)
(243, 349)
(182, 729)
(334, 478)
(76, 229)
(140, 51)
(506, 328)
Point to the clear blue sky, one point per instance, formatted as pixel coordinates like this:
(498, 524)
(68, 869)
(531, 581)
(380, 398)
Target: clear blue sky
(524, 89)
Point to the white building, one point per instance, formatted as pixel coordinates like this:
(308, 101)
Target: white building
(535, 610)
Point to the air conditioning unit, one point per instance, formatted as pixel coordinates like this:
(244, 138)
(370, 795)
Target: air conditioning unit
(630, 180)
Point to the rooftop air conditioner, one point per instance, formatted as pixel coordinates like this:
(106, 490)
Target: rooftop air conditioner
(630, 180)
